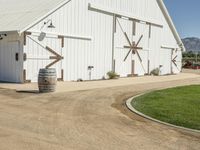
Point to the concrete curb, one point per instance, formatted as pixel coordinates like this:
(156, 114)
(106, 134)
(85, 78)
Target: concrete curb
(131, 108)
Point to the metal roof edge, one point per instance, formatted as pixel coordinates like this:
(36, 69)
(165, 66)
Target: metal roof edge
(170, 23)
(44, 16)
(9, 31)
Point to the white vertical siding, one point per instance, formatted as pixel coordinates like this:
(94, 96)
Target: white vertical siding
(75, 19)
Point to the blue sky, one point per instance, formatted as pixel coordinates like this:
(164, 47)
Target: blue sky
(186, 16)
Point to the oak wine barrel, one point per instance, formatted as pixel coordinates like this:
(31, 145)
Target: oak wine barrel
(47, 80)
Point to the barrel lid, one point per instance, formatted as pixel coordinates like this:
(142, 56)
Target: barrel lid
(48, 70)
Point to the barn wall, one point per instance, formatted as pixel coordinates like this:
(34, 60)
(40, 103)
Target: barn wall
(10, 69)
(75, 19)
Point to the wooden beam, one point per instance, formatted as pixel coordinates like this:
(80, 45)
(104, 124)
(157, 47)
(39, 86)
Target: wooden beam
(25, 34)
(62, 76)
(62, 40)
(149, 31)
(175, 58)
(148, 71)
(134, 27)
(51, 64)
(52, 51)
(114, 23)
(133, 47)
(133, 67)
(57, 57)
(172, 62)
(114, 65)
(24, 77)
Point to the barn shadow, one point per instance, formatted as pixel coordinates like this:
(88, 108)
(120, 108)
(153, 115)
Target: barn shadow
(28, 91)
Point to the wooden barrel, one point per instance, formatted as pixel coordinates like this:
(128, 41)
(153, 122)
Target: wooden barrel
(47, 80)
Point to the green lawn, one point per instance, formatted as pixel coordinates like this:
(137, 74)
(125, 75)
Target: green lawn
(179, 106)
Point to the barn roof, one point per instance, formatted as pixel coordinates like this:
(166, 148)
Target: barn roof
(16, 15)
(20, 15)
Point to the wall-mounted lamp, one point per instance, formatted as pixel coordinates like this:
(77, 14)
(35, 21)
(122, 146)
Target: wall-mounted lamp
(2, 35)
(49, 24)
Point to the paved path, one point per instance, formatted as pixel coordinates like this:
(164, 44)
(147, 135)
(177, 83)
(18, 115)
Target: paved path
(79, 86)
(87, 120)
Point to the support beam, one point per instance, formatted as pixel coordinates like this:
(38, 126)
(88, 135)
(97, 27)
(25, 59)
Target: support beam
(25, 34)
(148, 70)
(134, 28)
(149, 31)
(62, 76)
(24, 77)
(51, 64)
(55, 35)
(171, 63)
(110, 11)
(62, 40)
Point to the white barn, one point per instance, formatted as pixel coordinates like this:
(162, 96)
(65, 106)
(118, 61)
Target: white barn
(130, 37)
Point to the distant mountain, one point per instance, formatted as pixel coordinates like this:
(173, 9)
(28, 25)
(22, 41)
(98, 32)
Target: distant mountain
(192, 43)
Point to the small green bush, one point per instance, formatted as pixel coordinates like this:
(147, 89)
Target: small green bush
(112, 75)
(155, 72)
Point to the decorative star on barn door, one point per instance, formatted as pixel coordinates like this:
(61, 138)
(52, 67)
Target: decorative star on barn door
(133, 46)
(174, 59)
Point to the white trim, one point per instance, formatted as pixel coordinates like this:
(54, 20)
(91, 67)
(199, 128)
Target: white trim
(110, 11)
(55, 35)
(33, 57)
(169, 47)
(170, 23)
(44, 16)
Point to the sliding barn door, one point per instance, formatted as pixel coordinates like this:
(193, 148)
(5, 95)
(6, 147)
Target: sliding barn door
(123, 68)
(165, 61)
(141, 65)
(42, 54)
(131, 48)
(176, 61)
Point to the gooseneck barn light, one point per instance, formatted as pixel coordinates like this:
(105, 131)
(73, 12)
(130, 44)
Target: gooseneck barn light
(2, 35)
(51, 25)
(48, 23)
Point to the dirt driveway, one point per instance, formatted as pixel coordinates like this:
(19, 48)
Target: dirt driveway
(86, 120)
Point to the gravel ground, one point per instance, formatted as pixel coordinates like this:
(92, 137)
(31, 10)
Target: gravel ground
(94, 119)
